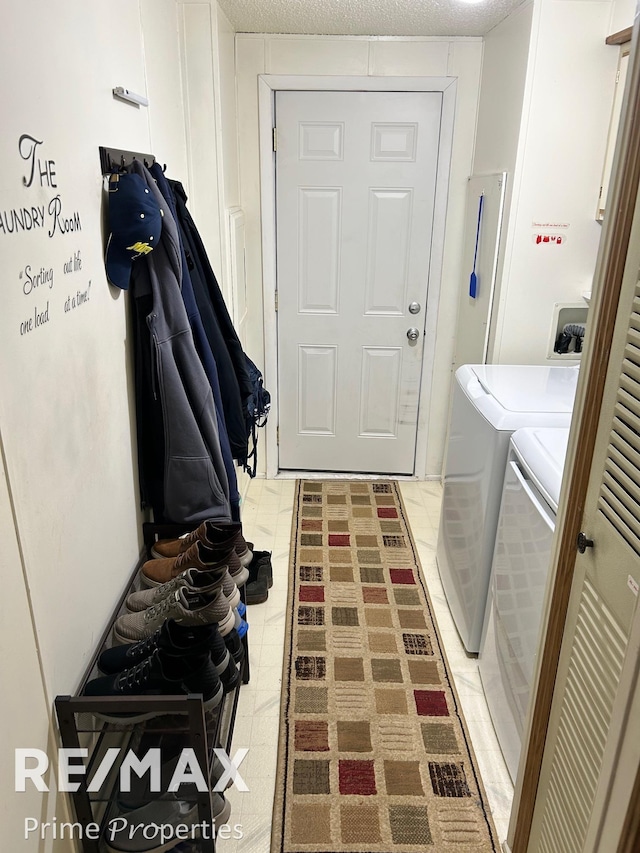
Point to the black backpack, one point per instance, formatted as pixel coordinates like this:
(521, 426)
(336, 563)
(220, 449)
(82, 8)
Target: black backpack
(256, 412)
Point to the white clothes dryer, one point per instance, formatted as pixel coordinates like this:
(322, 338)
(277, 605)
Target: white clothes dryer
(490, 402)
(521, 560)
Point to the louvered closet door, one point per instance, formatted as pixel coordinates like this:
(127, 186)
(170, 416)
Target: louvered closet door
(589, 701)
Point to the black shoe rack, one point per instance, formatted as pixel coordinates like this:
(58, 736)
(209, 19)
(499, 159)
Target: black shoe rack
(178, 722)
(152, 531)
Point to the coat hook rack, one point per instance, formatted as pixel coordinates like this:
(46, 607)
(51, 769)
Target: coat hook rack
(115, 159)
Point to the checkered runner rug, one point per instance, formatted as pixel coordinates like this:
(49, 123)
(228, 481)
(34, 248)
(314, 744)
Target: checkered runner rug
(374, 755)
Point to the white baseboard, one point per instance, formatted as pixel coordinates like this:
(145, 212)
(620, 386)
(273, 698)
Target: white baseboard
(333, 475)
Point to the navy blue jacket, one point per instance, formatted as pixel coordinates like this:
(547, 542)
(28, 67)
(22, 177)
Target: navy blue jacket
(203, 349)
(227, 350)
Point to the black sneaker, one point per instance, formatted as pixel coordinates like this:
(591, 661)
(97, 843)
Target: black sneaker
(224, 663)
(159, 675)
(172, 637)
(234, 644)
(230, 676)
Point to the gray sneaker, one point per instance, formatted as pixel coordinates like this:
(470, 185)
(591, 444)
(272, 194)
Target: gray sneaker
(187, 608)
(192, 580)
(231, 591)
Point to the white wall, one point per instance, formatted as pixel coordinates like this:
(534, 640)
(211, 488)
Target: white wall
(208, 72)
(25, 711)
(199, 33)
(66, 402)
(567, 103)
(504, 72)
(267, 54)
(168, 132)
(622, 15)
(228, 113)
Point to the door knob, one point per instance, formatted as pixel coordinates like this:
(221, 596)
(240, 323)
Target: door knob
(582, 543)
(413, 334)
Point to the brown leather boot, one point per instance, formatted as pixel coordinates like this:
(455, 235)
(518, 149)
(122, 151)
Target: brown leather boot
(209, 533)
(198, 556)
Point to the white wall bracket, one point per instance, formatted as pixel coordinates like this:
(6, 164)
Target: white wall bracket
(130, 97)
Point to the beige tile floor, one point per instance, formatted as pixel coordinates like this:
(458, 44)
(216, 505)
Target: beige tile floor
(266, 515)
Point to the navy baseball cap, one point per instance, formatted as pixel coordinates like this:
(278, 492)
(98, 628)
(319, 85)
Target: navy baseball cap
(135, 225)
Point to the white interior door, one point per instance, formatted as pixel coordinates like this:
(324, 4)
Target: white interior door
(355, 188)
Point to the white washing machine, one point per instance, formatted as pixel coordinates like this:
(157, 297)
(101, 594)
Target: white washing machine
(490, 402)
(518, 581)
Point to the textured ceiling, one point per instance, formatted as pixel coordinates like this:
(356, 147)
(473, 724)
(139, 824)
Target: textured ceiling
(368, 17)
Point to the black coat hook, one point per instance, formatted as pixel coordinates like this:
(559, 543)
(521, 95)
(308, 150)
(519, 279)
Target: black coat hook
(112, 159)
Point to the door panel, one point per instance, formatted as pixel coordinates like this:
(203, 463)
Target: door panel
(321, 140)
(393, 141)
(388, 251)
(379, 395)
(317, 390)
(355, 189)
(319, 250)
(591, 696)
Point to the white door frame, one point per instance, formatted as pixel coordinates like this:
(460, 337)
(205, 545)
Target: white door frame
(268, 84)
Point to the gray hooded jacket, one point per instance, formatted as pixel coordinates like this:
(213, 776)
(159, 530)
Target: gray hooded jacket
(195, 480)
